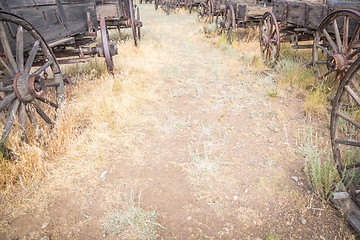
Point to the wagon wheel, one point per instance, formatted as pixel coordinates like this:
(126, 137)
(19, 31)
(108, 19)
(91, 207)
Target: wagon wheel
(202, 11)
(269, 39)
(28, 91)
(138, 22)
(220, 23)
(335, 46)
(132, 21)
(230, 24)
(105, 45)
(345, 128)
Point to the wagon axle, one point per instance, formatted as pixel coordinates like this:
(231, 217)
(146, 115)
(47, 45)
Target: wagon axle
(28, 87)
(337, 62)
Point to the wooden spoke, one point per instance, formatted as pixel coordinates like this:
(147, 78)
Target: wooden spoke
(7, 89)
(325, 50)
(22, 122)
(42, 114)
(7, 100)
(6, 66)
(6, 45)
(337, 36)
(352, 94)
(30, 60)
(354, 38)
(349, 119)
(346, 32)
(20, 48)
(9, 120)
(330, 41)
(349, 143)
(42, 68)
(44, 100)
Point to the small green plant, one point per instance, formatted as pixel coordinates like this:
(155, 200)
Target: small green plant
(320, 170)
(271, 236)
(273, 93)
(131, 223)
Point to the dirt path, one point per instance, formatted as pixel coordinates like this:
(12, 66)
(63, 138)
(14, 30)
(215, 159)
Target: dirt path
(209, 149)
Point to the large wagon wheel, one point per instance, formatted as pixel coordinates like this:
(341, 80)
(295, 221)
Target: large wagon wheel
(220, 23)
(345, 128)
(132, 21)
(269, 39)
(106, 45)
(26, 64)
(202, 11)
(335, 45)
(230, 24)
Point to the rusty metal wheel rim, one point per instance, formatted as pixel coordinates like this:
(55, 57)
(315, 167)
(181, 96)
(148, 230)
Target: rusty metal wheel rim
(105, 45)
(28, 92)
(269, 37)
(332, 55)
(132, 20)
(345, 140)
(230, 24)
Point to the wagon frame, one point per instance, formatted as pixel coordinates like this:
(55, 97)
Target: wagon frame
(37, 36)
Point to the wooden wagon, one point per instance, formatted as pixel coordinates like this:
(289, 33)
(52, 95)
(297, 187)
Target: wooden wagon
(230, 15)
(331, 29)
(36, 36)
(120, 14)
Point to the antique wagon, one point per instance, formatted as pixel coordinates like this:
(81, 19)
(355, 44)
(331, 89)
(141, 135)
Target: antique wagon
(331, 29)
(234, 14)
(36, 36)
(119, 14)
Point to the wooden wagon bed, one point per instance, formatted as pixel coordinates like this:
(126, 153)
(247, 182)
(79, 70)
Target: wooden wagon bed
(57, 20)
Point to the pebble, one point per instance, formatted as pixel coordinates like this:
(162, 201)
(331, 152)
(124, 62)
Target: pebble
(189, 218)
(246, 190)
(288, 223)
(296, 179)
(104, 235)
(226, 229)
(44, 225)
(45, 238)
(77, 229)
(302, 220)
(235, 198)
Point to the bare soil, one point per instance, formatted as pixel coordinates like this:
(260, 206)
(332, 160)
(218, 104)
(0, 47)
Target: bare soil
(210, 149)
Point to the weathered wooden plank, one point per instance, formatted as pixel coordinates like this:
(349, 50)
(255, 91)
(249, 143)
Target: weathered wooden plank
(26, 3)
(296, 13)
(107, 10)
(314, 14)
(280, 10)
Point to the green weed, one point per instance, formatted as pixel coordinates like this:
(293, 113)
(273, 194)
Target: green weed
(320, 170)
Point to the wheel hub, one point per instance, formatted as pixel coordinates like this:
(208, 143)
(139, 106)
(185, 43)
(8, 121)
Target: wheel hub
(27, 87)
(336, 62)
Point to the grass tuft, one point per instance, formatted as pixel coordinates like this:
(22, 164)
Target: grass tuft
(320, 170)
(132, 222)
